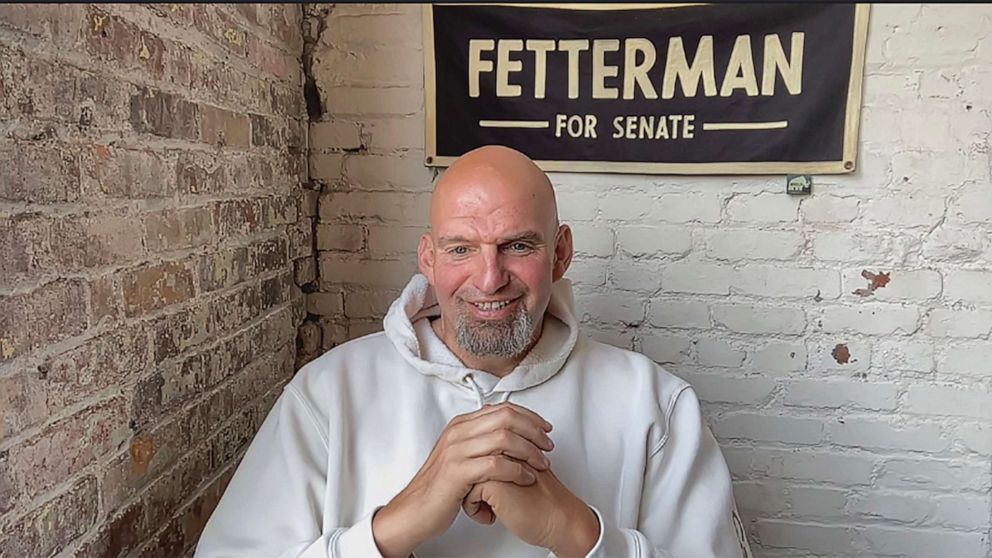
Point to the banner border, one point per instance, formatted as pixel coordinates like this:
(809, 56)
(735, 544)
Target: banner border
(852, 117)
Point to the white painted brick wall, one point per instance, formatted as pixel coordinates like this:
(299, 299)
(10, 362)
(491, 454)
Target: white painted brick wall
(855, 420)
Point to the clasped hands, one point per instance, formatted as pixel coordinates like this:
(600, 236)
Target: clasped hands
(491, 464)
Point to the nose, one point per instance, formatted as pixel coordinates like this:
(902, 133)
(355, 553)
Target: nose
(492, 275)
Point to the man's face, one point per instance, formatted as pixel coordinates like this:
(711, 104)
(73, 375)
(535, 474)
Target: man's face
(491, 258)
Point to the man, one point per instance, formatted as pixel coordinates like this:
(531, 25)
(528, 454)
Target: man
(479, 423)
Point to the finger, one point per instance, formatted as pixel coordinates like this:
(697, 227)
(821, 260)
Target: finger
(504, 442)
(498, 468)
(476, 508)
(487, 409)
(505, 418)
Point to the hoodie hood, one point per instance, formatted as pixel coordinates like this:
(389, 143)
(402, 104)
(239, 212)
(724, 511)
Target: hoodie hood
(545, 359)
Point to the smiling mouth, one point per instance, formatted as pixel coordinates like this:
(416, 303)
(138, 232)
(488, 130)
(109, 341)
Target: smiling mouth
(492, 306)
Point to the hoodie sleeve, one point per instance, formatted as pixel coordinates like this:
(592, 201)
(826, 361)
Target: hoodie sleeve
(687, 503)
(272, 506)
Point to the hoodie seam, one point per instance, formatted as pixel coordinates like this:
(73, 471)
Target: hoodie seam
(668, 420)
(310, 414)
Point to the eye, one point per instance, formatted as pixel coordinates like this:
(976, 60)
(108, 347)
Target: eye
(519, 247)
(459, 250)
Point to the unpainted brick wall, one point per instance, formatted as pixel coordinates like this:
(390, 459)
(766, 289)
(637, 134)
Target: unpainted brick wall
(840, 341)
(152, 165)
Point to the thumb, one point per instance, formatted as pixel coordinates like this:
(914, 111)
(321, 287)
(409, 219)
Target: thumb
(476, 508)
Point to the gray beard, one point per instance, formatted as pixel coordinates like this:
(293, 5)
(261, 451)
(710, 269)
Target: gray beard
(504, 338)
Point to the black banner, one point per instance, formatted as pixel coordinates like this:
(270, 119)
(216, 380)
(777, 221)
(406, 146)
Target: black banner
(694, 89)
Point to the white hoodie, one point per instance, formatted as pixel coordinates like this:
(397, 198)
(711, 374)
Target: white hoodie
(354, 426)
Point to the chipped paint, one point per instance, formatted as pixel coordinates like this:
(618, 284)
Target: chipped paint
(841, 354)
(875, 282)
(142, 450)
(6, 347)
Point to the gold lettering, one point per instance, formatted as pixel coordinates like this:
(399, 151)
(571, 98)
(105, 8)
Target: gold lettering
(600, 71)
(504, 66)
(573, 47)
(540, 48)
(476, 65)
(775, 60)
(677, 68)
(638, 73)
(740, 70)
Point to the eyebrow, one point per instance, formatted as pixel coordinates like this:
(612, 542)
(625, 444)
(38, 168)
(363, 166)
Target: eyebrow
(526, 236)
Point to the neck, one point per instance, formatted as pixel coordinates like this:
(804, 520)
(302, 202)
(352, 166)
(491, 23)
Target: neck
(497, 366)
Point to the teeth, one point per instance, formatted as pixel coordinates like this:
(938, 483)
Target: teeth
(490, 306)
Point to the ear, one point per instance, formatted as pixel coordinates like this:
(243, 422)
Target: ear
(563, 252)
(425, 256)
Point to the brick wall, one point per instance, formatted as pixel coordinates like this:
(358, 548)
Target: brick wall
(153, 234)
(840, 341)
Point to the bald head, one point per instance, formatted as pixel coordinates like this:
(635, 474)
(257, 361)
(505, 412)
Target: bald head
(494, 174)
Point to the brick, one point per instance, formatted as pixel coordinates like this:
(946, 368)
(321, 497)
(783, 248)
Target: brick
(248, 302)
(54, 525)
(968, 286)
(587, 272)
(898, 541)
(91, 240)
(67, 446)
(393, 241)
(742, 244)
(829, 209)
(365, 101)
(970, 358)
(373, 304)
(879, 434)
(678, 313)
(22, 243)
(871, 319)
(39, 173)
(835, 395)
(576, 206)
(173, 334)
(223, 269)
(394, 133)
(716, 352)
(154, 287)
(947, 243)
(343, 238)
(947, 322)
(780, 282)
(762, 208)
(223, 127)
(126, 173)
(904, 211)
(384, 66)
(305, 270)
(108, 37)
(610, 309)
(634, 275)
(862, 247)
(830, 539)
(164, 114)
(666, 349)
(652, 241)
(746, 318)
(960, 512)
(904, 355)
(406, 208)
(370, 30)
(699, 278)
(247, 216)
(896, 507)
(328, 167)
(819, 467)
(375, 273)
(174, 229)
(387, 172)
(766, 428)
(759, 498)
(775, 357)
(592, 241)
(325, 304)
(57, 311)
(951, 401)
(934, 474)
(719, 389)
(820, 502)
(973, 205)
(976, 437)
(335, 135)
(197, 173)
